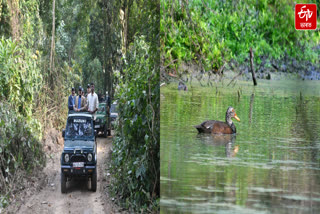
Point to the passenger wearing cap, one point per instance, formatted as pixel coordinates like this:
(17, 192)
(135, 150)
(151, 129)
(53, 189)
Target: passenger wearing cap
(80, 102)
(83, 92)
(71, 100)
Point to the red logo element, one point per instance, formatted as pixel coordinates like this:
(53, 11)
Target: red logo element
(306, 16)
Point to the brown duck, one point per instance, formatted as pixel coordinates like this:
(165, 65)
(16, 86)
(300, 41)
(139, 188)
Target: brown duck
(219, 127)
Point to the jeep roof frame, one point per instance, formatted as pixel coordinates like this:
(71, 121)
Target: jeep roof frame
(81, 115)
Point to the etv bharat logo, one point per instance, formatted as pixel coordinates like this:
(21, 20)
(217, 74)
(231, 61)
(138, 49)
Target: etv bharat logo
(306, 16)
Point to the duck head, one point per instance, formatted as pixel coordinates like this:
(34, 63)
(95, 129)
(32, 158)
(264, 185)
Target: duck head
(231, 113)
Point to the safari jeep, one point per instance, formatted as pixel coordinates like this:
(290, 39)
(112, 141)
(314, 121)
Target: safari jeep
(102, 123)
(79, 156)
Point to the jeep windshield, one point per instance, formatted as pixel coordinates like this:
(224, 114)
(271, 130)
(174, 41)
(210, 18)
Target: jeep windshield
(79, 128)
(113, 108)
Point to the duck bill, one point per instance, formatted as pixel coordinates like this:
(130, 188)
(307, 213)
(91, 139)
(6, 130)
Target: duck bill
(236, 117)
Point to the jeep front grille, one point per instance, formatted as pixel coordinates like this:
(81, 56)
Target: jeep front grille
(76, 158)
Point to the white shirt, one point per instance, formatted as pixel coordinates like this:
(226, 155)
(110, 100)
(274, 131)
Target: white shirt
(93, 102)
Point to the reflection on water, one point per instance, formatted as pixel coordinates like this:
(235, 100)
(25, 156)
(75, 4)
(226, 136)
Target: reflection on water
(272, 165)
(226, 140)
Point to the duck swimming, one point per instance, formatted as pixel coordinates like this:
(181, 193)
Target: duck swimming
(219, 127)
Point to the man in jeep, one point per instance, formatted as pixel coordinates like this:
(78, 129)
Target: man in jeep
(80, 103)
(93, 102)
(71, 100)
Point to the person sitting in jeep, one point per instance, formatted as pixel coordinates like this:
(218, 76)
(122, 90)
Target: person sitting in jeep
(79, 129)
(80, 102)
(71, 101)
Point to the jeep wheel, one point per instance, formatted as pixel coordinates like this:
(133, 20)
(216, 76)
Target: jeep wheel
(105, 131)
(63, 183)
(94, 181)
(109, 132)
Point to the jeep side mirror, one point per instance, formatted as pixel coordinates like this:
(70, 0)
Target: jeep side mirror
(63, 133)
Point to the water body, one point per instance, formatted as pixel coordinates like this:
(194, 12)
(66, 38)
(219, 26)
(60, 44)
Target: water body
(272, 164)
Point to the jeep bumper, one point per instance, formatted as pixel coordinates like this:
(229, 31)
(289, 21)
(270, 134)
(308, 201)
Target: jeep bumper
(74, 171)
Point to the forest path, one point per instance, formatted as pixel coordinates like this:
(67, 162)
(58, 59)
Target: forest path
(79, 199)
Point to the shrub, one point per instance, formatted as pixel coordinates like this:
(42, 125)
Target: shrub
(20, 148)
(136, 155)
(210, 33)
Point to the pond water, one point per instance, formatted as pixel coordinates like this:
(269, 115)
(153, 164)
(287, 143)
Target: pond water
(272, 164)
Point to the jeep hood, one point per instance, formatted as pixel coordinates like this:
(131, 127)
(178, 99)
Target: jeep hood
(79, 144)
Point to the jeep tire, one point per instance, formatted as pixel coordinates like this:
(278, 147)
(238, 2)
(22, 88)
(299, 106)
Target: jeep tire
(63, 183)
(94, 181)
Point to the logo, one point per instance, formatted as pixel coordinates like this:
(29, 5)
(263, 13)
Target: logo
(306, 16)
(79, 121)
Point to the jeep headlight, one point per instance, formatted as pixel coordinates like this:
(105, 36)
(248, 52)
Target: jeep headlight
(66, 158)
(89, 157)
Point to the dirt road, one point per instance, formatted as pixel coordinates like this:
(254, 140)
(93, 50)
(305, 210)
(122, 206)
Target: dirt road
(78, 198)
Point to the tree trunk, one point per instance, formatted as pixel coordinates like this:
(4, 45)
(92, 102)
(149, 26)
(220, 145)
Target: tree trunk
(125, 26)
(109, 76)
(252, 69)
(105, 44)
(14, 18)
(52, 40)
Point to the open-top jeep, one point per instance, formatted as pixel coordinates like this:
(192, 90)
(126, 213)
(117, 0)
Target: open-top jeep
(102, 122)
(79, 156)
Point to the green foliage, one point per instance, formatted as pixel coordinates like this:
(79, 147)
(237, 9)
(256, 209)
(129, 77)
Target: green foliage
(20, 134)
(95, 69)
(20, 76)
(21, 81)
(103, 44)
(4, 201)
(135, 157)
(20, 147)
(209, 33)
(4, 18)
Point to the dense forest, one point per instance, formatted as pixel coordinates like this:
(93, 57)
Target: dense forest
(208, 37)
(49, 46)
